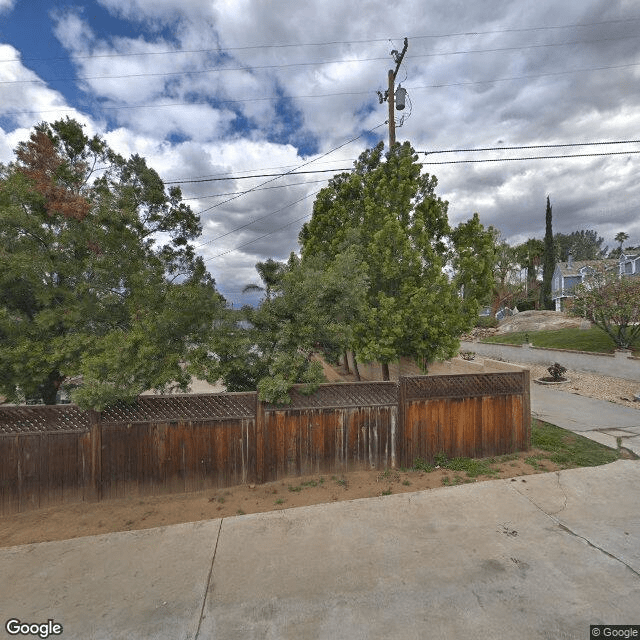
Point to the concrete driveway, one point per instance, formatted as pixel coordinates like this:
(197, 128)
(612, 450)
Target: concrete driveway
(541, 557)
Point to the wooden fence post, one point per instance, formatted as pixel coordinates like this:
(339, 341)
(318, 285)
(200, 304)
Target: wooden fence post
(260, 444)
(526, 407)
(400, 427)
(95, 431)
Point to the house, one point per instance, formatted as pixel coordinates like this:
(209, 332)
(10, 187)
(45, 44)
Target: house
(629, 265)
(568, 275)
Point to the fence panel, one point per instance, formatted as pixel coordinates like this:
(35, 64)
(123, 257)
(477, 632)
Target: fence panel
(43, 469)
(473, 415)
(161, 457)
(308, 441)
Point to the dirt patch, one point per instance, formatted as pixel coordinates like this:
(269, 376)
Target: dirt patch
(86, 518)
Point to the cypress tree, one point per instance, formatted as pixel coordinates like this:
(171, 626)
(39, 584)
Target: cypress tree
(549, 263)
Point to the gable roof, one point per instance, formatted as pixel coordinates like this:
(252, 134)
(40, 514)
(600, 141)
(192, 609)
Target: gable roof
(576, 265)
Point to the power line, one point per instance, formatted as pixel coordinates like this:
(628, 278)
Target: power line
(531, 146)
(260, 175)
(275, 186)
(248, 224)
(240, 246)
(435, 151)
(327, 95)
(576, 155)
(313, 63)
(329, 43)
(324, 155)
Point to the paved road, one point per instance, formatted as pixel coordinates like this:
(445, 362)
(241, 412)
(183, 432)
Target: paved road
(540, 557)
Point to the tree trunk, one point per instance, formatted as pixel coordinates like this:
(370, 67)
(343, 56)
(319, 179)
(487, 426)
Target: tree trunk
(346, 362)
(355, 367)
(385, 371)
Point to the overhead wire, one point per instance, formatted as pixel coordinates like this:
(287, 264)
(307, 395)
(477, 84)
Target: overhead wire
(574, 155)
(330, 43)
(275, 186)
(315, 63)
(327, 95)
(248, 224)
(304, 164)
(293, 172)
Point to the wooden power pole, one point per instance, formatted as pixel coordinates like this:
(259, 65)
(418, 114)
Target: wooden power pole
(389, 94)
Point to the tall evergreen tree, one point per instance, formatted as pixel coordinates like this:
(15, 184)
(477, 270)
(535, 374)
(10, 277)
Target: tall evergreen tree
(549, 264)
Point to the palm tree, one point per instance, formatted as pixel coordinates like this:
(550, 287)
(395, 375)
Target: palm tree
(621, 237)
(270, 272)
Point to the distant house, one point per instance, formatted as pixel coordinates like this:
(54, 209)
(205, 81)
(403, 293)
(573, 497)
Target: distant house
(568, 275)
(629, 265)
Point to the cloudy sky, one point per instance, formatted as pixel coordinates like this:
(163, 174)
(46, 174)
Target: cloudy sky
(211, 91)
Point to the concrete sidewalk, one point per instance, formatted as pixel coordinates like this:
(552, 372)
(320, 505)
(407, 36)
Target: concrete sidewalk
(598, 420)
(538, 557)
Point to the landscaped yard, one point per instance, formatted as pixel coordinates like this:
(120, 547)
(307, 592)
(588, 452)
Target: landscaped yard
(594, 339)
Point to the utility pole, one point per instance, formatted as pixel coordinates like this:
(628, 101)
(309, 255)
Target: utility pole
(389, 94)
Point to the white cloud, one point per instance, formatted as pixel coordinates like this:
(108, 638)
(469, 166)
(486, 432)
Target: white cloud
(6, 5)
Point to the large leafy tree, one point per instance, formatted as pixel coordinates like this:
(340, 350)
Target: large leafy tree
(98, 279)
(412, 306)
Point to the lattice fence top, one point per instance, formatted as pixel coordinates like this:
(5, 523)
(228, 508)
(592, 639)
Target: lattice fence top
(463, 385)
(349, 394)
(37, 419)
(182, 407)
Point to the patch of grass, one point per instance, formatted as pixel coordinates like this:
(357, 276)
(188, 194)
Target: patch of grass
(279, 501)
(406, 483)
(240, 512)
(422, 465)
(569, 450)
(387, 492)
(473, 467)
(593, 339)
(341, 481)
(295, 489)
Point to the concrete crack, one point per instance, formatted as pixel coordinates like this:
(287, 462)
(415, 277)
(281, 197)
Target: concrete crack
(206, 588)
(552, 517)
(564, 493)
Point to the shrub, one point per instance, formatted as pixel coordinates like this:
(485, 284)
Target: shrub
(557, 371)
(486, 322)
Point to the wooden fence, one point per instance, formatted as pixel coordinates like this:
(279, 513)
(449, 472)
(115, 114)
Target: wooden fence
(162, 444)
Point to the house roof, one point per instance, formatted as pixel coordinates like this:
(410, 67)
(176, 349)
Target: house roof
(576, 265)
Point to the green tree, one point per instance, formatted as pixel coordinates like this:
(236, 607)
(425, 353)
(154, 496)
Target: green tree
(98, 278)
(404, 239)
(549, 262)
(582, 244)
(272, 347)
